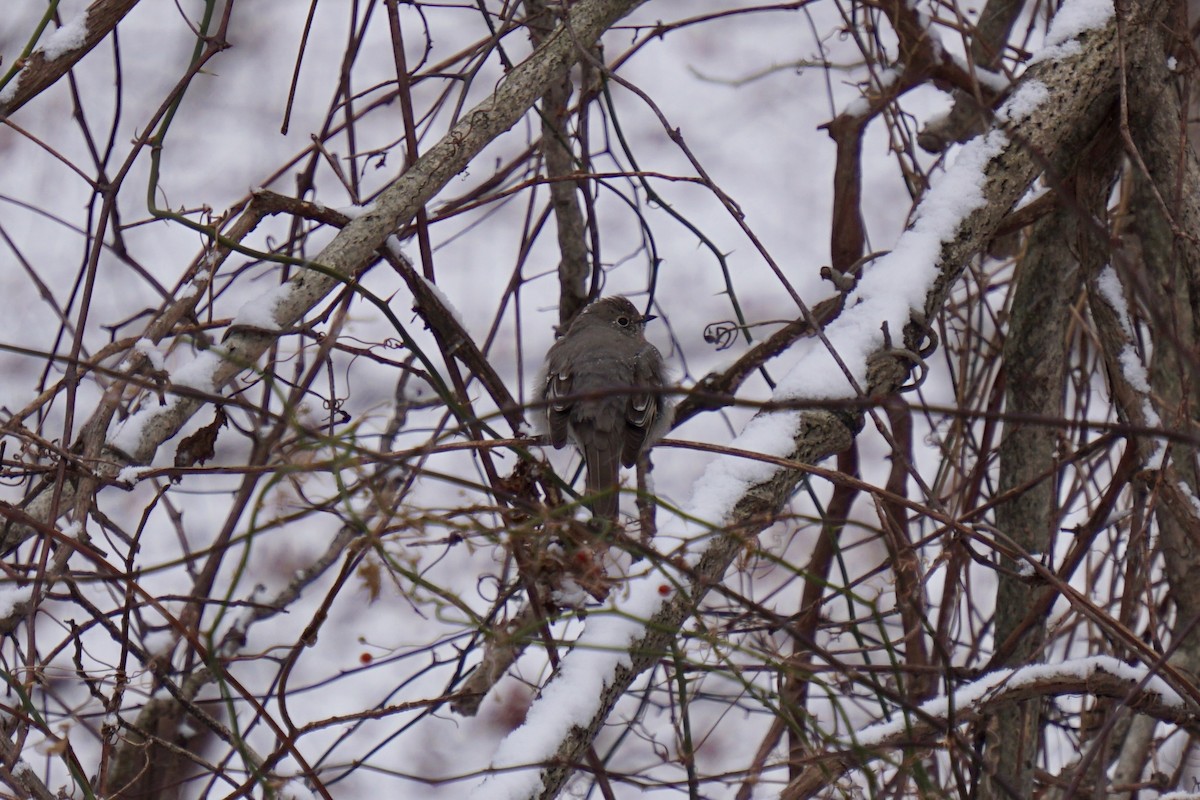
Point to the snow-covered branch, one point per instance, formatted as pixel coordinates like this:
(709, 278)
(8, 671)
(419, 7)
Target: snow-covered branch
(1055, 109)
(351, 251)
(926, 726)
(57, 53)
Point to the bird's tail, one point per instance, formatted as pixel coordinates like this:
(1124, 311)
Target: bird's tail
(603, 478)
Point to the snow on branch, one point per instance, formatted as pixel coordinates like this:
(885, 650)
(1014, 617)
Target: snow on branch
(1101, 676)
(1120, 343)
(1076, 676)
(354, 248)
(1057, 106)
(60, 51)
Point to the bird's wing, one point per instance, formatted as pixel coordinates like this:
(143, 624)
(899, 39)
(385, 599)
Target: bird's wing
(556, 393)
(643, 407)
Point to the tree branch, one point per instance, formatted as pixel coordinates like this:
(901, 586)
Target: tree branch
(1056, 109)
(1104, 678)
(41, 71)
(354, 247)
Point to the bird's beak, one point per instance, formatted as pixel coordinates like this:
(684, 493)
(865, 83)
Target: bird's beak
(649, 317)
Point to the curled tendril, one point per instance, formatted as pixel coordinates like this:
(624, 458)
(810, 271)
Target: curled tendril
(334, 405)
(930, 341)
(723, 334)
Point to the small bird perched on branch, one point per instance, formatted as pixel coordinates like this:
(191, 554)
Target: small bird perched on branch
(602, 388)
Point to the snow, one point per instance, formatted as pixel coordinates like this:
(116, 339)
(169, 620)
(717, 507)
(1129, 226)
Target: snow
(574, 696)
(1035, 193)
(1132, 368)
(395, 246)
(444, 300)
(69, 37)
(131, 474)
(151, 352)
(726, 480)
(11, 597)
(996, 81)
(857, 107)
(860, 105)
(10, 89)
(1074, 18)
(972, 693)
(890, 290)
(191, 289)
(128, 435)
(260, 312)
(1024, 101)
(855, 337)
(1111, 290)
(570, 594)
(1191, 497)
(198, 373)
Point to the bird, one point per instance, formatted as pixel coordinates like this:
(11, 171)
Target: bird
(601, 389)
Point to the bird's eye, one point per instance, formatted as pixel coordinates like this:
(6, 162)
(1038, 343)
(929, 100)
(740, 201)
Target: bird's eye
(623, 322)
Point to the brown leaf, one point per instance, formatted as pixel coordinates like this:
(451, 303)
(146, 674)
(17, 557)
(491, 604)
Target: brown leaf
(201, 445)
(372, 578)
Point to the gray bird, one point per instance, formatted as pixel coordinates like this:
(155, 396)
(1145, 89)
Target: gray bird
(603, 352)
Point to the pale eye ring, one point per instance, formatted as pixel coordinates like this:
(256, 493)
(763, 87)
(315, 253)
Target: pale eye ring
(623, 321)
